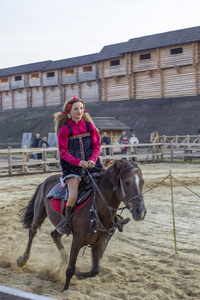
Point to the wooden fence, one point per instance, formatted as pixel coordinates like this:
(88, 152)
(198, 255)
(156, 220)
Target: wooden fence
(180, 140)
(21, 161)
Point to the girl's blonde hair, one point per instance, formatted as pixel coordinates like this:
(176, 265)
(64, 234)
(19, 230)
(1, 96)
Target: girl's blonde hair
(61, 118)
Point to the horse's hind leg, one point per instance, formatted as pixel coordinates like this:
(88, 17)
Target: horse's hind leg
(57, 240)
(21, 261)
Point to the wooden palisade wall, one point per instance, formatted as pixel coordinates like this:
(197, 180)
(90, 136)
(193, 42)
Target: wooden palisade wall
(159, 74)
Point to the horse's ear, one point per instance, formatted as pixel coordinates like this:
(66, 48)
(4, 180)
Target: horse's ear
(117, 166)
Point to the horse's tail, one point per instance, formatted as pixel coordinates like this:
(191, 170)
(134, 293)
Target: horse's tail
(27, 213)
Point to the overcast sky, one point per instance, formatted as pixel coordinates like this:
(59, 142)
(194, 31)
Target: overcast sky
(38, 30)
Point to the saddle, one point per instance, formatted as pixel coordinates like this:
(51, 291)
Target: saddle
(85, 189)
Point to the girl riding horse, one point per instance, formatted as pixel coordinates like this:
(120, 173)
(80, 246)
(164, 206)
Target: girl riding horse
(79, 146)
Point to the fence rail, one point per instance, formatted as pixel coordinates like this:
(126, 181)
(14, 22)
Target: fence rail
(180, 139)
(21, 160)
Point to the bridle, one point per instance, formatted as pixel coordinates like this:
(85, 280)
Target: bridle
(126, 200)
(94, 213)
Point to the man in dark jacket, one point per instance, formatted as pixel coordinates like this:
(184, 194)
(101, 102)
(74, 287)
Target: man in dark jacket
(42, 142)
(106, 141)
(35, 144)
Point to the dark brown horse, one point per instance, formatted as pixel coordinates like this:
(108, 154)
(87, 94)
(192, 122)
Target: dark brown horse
(121, 182)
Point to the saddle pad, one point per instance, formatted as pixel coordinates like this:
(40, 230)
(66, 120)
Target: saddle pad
(56, 205)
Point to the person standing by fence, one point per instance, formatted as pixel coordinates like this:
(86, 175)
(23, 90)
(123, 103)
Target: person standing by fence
(121, 137)
(124, 148)
(133, 140)
(41, 143)
(106, 141)
(35, 144)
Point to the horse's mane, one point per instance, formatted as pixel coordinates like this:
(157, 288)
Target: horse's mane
(119, 168)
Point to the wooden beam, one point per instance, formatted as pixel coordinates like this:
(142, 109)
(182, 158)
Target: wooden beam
(195, 47)
(1, 101)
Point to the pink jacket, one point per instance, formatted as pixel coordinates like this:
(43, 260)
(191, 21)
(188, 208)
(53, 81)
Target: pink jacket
(77, 129)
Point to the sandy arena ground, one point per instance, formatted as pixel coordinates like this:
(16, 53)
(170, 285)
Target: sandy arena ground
(138, 264)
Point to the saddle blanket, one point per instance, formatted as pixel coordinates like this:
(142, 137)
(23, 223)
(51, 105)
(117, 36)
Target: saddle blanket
(56, 205)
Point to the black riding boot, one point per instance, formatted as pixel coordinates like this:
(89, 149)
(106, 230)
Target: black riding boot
(64, 227)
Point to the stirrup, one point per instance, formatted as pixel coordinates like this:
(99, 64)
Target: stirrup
(121, 222)
(64, 227)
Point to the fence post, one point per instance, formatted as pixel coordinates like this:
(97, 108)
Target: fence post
(135, 152)
(44, 157)
(153, 153)
(25, 160)
(162, 152)
(173, 214)
(185, 152)
(9, 160)
(172, 152)
(129, 152)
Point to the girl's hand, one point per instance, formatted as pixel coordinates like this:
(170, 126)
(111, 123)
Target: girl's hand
(91, 164)
(83, 164)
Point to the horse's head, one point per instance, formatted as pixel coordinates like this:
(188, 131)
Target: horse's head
(129, 184)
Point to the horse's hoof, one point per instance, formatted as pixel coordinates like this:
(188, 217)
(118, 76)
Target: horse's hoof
(79, 275)
(20, 262)
(65, 289)
(83, 275)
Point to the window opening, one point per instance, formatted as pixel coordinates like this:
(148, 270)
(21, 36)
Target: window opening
(34, 75)
(69, 72)
(18, 78)
(4, 80)
(87, 69)
(176, 50)
(115, 62)
(145, 56)
(50, 74)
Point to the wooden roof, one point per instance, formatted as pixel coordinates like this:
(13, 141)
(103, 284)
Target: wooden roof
(163, 39)
(33, 67)
(111, 51)
(109, 123)
(71, 62)
(150, 41)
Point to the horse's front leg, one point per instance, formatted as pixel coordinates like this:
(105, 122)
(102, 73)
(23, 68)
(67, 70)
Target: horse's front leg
(75, 248)
(97, 252)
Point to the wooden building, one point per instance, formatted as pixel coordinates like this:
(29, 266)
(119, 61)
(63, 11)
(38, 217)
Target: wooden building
(112, 126)
(157, 66)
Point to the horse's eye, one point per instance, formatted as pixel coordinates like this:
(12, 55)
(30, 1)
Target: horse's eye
(127, 183)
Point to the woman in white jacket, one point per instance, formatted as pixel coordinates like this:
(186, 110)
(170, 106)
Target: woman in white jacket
(133, 140)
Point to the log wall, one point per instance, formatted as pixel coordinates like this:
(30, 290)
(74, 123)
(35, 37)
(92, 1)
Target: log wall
(151, 73)
(179, 81)
(147, 84)
(20, 97)
(6, 100)
(36, 96)
(117, 88)
(89, 91)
